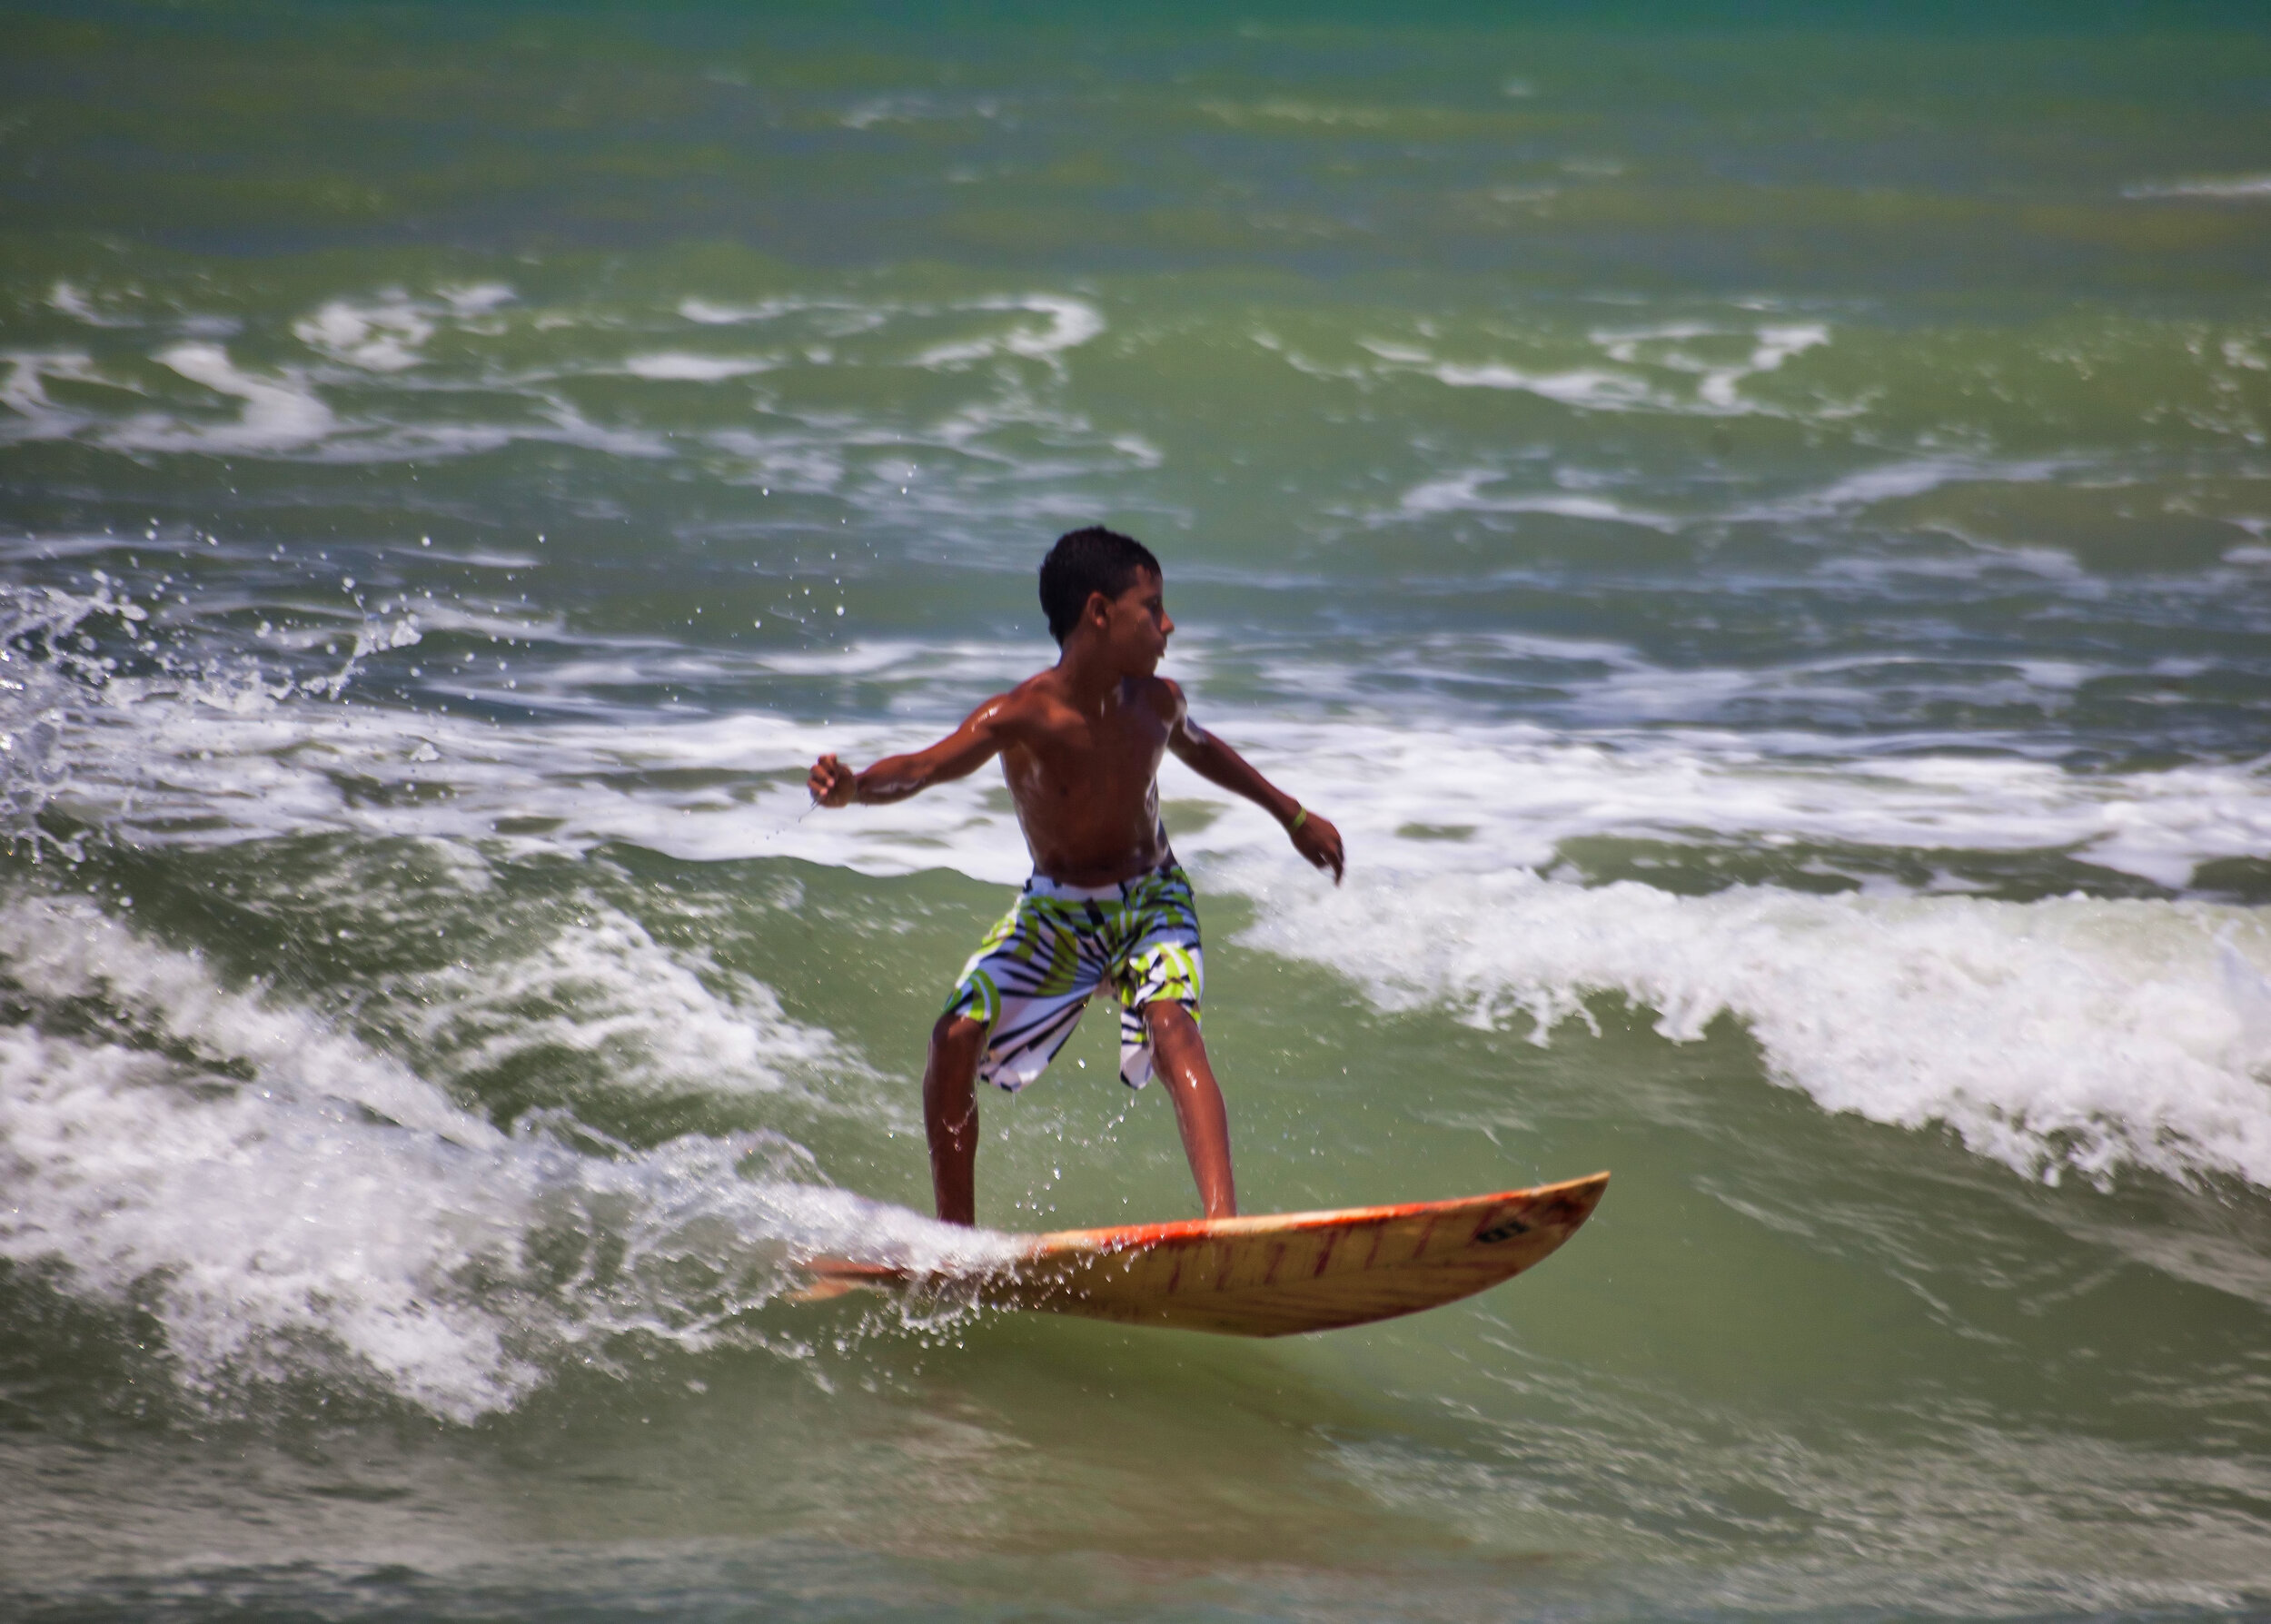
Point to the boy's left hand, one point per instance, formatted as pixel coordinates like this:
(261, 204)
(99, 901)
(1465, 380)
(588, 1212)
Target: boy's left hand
(1317, 840)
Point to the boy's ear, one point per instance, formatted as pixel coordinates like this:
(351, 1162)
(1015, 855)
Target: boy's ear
(1099, 608)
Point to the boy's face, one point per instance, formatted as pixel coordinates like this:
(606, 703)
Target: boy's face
(1135, 624)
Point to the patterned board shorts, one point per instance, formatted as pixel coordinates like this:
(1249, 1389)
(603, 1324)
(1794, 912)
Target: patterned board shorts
(1031, 978)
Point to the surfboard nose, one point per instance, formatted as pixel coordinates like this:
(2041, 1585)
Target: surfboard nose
(1571, 1203)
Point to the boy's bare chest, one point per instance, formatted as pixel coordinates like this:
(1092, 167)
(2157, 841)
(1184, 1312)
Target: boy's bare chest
(1070, 753)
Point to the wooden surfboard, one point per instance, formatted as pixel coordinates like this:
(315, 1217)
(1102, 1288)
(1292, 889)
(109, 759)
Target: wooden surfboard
(1272, 1275)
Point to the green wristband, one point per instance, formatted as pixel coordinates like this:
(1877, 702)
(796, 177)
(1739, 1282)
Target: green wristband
(1301, 815)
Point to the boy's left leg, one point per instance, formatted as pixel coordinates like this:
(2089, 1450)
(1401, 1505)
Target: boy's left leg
(1181, 1068)
(950, 1114)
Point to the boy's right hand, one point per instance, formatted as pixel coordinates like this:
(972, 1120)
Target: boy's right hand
(832, 783)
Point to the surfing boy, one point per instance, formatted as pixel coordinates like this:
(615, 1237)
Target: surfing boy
(1080, 745)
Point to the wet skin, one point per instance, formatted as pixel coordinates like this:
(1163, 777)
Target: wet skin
(1080, 745)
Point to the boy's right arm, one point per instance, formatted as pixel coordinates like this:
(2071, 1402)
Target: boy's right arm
(962, 752)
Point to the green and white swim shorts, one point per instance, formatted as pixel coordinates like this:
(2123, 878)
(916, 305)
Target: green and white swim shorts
(1033, 975)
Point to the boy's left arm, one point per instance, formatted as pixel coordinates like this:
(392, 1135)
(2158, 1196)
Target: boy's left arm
(1313, 837)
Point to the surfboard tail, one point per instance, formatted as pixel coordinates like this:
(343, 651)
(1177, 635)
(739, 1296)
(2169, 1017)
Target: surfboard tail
(829, 1278)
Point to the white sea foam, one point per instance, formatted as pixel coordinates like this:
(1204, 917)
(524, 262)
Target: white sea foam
(1680, 367)
(1775, 346)
(336, 1211)
(2238, 188)
(664, 1020)
(75, 302)
(2068, 1034)
(1525, 790)
(377, 362)
(24, 392)
(2103, 1018)
(1591, 387)
(280, 413)
(916, 108)
(218, 739)
(710, 312)
(1891, 481)
(2071, 1033)
(477, 297)
(1463, 493)
(677, 367)
(384, 336)
(1290, 110)
(388, 333)
(1072, 322)
(1675, 346)
(2065, 1036)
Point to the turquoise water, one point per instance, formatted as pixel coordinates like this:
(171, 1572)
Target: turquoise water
(1760, 535)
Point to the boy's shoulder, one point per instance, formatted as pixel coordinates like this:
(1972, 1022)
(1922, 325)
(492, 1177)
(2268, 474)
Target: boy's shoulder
(1035, 699)
(1043, 688)
(1163, 693)
(1043, 692)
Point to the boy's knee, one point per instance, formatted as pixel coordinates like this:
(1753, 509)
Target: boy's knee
(954, 1031)
(1165, 1015)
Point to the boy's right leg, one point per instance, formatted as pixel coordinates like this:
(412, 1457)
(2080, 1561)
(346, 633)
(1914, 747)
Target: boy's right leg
(1183, 1070)
(950, 1114)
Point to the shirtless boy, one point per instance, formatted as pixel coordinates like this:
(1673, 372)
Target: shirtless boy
(1080, 745)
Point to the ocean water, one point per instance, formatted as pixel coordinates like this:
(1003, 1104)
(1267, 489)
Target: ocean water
(1758, 528)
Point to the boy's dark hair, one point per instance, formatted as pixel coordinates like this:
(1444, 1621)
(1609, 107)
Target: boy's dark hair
(1094, 560)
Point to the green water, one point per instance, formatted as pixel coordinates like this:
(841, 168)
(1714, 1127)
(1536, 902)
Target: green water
(1758, 530)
